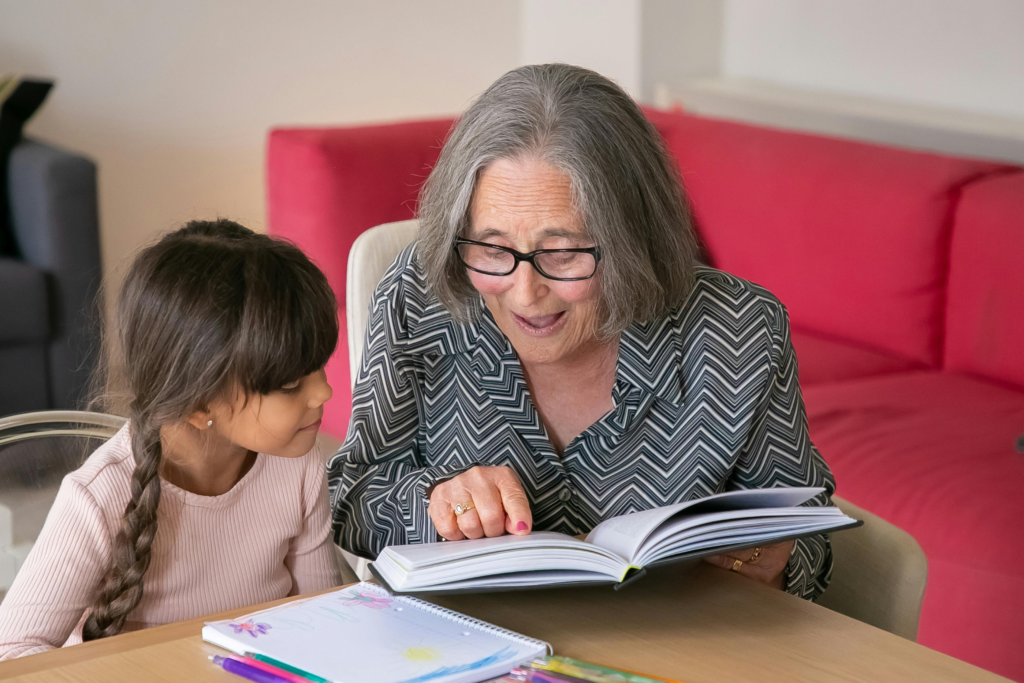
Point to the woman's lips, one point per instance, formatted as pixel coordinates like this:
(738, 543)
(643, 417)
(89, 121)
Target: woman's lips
(315, 425)
(540, 325)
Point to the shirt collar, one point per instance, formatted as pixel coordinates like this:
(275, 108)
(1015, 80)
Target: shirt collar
(650, 354)
(650, 359)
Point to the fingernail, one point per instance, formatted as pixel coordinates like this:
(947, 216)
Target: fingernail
(521, 526)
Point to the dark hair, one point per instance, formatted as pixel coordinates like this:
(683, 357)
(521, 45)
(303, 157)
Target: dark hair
(211, 307)
(624, 185)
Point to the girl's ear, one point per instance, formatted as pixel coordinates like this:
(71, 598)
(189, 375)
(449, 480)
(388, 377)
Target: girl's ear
(201, 419)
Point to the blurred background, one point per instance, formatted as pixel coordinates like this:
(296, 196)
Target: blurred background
(174, 100)
(899, 259)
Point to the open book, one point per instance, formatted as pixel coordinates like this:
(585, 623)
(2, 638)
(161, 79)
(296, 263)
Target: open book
(617, 551)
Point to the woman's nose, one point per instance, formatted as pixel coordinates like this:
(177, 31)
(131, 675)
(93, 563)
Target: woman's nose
(528, 285)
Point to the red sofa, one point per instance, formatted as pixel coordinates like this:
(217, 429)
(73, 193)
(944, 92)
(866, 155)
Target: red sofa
(904, 276)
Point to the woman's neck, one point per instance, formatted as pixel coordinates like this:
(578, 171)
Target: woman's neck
(592, 361)
(574, 392)
(202, 461)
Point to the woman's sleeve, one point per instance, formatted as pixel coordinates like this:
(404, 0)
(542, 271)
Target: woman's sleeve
(60, 578)
(378, 480)
(779, 452)
(312, 560)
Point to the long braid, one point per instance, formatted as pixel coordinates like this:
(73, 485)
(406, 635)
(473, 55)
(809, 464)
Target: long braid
(122, 587)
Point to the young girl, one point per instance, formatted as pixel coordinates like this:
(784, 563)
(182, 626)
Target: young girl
(212, 496)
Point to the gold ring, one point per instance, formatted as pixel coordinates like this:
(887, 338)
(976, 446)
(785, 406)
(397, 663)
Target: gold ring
(463, 508)
(736, 565)
(755, 556)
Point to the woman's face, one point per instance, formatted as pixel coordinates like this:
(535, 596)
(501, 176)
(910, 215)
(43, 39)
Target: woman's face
(526, 204)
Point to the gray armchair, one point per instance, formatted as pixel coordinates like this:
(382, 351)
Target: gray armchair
(48, 330)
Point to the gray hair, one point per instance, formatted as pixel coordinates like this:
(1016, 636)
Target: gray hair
(624, 185)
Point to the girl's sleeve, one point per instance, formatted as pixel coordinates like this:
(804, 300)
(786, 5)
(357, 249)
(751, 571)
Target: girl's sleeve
(312, 558)
(779, 452)
(379, 483)
(61, 577)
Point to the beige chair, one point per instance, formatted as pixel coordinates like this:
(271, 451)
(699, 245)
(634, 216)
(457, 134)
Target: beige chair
(880, 571)
(371, 255)
(879, 575)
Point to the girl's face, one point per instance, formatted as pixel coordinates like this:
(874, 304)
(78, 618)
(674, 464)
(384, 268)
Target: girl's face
(527, 204)
(282, 423)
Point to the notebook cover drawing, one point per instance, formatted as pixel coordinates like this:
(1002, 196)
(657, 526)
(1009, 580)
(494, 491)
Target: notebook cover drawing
(361, 634)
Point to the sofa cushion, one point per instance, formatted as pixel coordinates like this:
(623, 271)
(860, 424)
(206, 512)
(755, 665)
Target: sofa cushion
(933, 453)
(825, 359)
(326, 186)
(852, 237)
(985, 305)
(24, 312)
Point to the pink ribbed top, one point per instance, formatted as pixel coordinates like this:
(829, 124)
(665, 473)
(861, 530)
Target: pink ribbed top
(267, 538)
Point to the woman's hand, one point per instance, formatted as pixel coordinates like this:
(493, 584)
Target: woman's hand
(768, 566)
(499, 505)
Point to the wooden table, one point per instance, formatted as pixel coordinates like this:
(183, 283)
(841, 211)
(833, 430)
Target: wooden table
(693, 623)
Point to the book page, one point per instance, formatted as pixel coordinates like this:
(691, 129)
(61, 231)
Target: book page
(443, 565)
(625, 534)
(422, 555)
(734, 528)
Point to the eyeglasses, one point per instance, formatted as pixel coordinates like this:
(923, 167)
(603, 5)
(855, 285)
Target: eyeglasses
(564, 265)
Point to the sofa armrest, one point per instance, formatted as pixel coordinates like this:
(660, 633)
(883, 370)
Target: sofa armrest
(56, 225)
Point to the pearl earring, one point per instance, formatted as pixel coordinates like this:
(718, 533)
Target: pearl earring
(209, 423)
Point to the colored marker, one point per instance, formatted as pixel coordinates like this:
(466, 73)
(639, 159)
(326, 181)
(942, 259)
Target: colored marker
(287, 667)
(245, 671)
(270, 668)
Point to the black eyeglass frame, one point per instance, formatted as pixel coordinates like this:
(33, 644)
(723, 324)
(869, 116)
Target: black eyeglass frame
(520, 256)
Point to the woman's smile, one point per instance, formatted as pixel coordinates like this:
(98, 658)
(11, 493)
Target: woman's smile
(540, 325)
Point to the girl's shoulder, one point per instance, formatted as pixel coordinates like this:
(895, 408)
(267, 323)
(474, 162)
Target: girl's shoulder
(109, 467)
(101, 486)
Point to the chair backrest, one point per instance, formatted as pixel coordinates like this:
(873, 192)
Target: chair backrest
(371, 255)
(879, 576)
(36, 451)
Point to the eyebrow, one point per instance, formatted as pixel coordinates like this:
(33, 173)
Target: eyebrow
(547, 232)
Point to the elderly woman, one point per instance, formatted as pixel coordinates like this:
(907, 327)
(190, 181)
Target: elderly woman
(550, 354)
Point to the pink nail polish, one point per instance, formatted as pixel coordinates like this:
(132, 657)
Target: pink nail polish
(521, 526)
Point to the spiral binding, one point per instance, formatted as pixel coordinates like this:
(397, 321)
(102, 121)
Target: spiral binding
(464, 620)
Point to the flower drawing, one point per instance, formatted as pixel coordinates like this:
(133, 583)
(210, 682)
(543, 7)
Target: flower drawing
(355, 598)
(251, 627)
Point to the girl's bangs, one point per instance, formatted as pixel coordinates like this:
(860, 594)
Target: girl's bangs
(290, 322)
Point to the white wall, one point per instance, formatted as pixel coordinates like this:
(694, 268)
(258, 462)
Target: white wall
(603, 35)
(174, 99)
(680, 40)
(958, 54)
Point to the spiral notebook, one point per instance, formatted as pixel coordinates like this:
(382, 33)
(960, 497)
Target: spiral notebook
(361, 634)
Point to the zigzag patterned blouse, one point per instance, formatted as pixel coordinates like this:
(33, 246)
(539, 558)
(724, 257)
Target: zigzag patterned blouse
(705, 400)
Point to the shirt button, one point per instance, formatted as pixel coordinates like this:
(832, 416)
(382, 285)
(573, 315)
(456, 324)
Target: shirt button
(565, 495)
